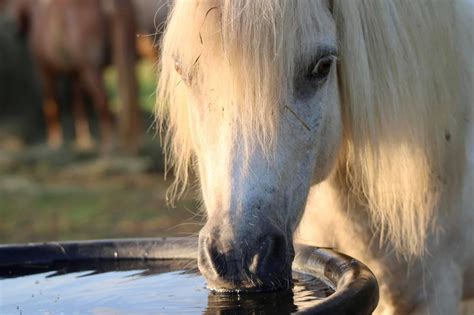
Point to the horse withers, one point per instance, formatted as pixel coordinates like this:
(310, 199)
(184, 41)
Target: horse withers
(336, 123)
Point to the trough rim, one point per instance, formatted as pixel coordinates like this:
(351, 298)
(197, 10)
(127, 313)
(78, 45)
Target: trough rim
(356, 288)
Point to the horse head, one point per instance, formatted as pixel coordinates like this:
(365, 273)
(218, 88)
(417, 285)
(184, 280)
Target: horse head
(263, 124)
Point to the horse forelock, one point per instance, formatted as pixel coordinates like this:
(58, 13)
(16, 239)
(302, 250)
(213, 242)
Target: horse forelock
(238, 54)
(403, 91)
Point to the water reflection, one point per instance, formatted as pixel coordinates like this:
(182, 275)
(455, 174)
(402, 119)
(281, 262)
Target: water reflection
(262, 303)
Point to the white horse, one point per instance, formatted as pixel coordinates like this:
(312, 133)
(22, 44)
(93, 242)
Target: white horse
(349, 119)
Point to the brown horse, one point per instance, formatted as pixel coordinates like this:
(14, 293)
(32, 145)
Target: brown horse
(75, 37)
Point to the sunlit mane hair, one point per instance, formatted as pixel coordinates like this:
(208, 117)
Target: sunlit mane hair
(403, 88)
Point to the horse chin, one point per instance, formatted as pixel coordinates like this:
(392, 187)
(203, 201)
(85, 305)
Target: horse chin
(222, 291)
(226, 288)
(251, 283)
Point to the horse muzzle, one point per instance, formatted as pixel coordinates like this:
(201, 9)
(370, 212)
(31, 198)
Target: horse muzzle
(250, 260)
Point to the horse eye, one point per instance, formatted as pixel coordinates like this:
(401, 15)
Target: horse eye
(186, 77)
(178, 67)
(322, 68)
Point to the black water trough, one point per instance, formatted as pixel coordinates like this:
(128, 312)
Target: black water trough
(349, 287)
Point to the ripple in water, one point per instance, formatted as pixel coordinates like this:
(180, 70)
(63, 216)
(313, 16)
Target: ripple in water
(139, 287)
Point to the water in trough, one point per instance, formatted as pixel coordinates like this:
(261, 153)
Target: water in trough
(139, 287)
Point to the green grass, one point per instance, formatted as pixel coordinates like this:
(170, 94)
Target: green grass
(108, 208)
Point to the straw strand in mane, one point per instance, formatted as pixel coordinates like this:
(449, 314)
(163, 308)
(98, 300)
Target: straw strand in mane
(402, 112)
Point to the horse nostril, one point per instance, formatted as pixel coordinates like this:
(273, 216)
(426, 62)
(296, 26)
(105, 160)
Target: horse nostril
(212, 258)
(271, 255)
(209, 259)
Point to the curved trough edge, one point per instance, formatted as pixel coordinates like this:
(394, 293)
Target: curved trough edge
(353, 282)
(139, 248)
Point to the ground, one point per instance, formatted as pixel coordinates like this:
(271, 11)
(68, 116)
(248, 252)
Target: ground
(62, 195)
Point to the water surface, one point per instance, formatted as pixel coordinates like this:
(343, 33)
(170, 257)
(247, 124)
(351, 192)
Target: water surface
(139, 287)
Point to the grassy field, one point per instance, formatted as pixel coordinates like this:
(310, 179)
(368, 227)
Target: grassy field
(97, 198)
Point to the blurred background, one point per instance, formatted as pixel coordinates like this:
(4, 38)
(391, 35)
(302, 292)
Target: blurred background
(79, 154)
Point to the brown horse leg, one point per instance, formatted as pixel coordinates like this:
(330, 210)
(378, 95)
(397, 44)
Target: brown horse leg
(84, 140)
(123, 44)
(51, 110)
(95, 86)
